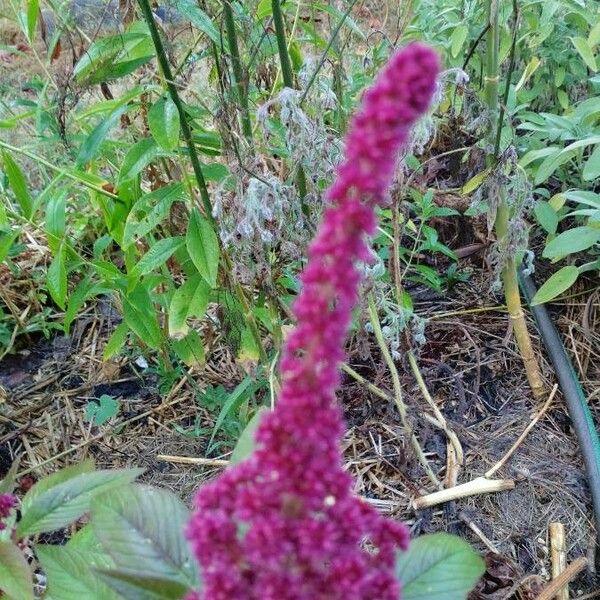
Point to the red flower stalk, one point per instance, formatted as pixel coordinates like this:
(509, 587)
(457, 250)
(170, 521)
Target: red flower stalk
(285, 524)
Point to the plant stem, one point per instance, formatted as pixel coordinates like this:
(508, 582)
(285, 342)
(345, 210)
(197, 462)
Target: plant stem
(398, 398)
(509, 271)
(239, 84)
(172, 88)
(284, 56)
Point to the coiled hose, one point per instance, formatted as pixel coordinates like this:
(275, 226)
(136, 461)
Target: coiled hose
(579, 411)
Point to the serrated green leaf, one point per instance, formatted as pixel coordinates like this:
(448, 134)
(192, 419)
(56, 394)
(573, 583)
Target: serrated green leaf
(131, 586)
(191, 299)
(203, 247)
(158, 254)
(555, 285)
(18, 184)
(56, 278)
(102, 411)
(141, 527)
(15, 575)
(571, 241)
(70, 575)
(591, 170)
(65, 502)
(85, 539)
(163, 120)
(54, 479)
(438, 567)
(586, 52)
(546, 216)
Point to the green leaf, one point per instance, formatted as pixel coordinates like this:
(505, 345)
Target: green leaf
(33, 9)
(140, 155)
(239, 394)
(163, 120)
(65, 502)
(55, 219)
(199, 19)
(594, 35)
(8, 483)
(551, 163)
(457, 39)
(191, 299)
(190, 349)
(116, 341)
(245, 444)
(17, 182)
(6, 242)
(43, 485)
(85, 539)
(70, 575)
(149, 211)
(15, 575)
(131, 586)
(141, 528)
(438, 567)
(546, 216)
(591, 170)
(203, 247)
(56, 278)
(586, 52)
(571, 241)
(90, 146)
(158, 254)
(140, 315)
(102, 411)
(559, 282)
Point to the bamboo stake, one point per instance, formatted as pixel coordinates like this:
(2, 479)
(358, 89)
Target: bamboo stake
(477, 486)
(568, 575)
(558, 556)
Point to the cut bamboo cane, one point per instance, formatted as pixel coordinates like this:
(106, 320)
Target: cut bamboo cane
(558, 557)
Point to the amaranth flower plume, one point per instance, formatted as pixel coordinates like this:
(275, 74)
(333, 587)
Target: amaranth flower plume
(285, 523)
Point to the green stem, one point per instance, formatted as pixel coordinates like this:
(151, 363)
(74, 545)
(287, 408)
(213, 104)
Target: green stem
(502, 223)
(241, 89)
(172, 88)
(284, 56)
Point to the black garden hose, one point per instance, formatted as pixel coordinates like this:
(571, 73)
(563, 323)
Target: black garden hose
(579, 411)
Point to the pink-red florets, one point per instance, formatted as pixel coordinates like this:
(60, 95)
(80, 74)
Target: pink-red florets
(285, 523)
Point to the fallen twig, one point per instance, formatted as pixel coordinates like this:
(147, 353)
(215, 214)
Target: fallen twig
(553, 588)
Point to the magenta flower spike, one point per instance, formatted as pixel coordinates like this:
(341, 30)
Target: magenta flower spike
(285, 523)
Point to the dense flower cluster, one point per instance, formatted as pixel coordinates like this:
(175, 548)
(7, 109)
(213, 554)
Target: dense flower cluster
(285, 524)
(7, 503)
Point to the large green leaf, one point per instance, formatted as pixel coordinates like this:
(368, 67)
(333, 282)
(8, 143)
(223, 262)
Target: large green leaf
(142, 527)
(163, 120)
(246, 443)
(591, 169)
(70, 575)
(191, 299)
(52, 480)
(91, 144)
(586, 52)
(203, 247)
(15, 574)
(571, 241)
(65, 502)
(559, 282)
(160, 252)
(18, 184)
(546, 216)
(438, 567)
(131, 586)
